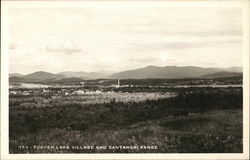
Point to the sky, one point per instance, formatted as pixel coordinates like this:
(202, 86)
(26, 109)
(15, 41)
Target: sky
(117, 38)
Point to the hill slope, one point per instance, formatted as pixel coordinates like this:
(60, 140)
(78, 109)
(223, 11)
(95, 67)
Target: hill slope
(168, 72)
(233, 69)
(15, 75)
(84, 75)
(69, 80)
(42, 76)
(16, 79)
(222, 75)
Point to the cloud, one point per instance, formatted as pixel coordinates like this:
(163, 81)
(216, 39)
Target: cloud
(65, 47)
(201, 33)
(184, 45)
(152, 35)
(180, 43)
(143, 59)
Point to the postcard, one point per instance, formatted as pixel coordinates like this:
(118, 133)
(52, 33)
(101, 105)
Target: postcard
(125, 79)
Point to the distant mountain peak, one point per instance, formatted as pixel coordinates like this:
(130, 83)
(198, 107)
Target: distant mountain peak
(167, 72)
(15, 75)
(151, 66)
(85, 75)
(42, 75)
(41, 72)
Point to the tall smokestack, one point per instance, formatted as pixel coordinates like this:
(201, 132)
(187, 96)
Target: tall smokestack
(82, 84)
(118, 83)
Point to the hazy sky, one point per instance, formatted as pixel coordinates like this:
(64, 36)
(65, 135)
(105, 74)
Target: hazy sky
(123, 37)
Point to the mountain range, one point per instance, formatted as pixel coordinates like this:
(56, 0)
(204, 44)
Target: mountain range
(173, 72)
(85, 75)
(167, 72)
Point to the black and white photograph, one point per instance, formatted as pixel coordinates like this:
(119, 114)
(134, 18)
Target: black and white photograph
(125, 77)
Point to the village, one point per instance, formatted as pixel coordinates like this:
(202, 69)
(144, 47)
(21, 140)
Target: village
(109, 86)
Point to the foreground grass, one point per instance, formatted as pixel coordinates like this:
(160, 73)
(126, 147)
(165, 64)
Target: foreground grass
(196, 120)
(216, 131)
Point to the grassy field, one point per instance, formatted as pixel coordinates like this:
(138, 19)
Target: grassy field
(204, 120)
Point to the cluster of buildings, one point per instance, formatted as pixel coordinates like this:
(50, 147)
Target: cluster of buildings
(97, 89)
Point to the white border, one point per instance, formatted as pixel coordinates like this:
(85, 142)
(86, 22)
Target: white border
(6, 5)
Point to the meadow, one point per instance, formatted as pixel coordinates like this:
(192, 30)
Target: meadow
(179, 120)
